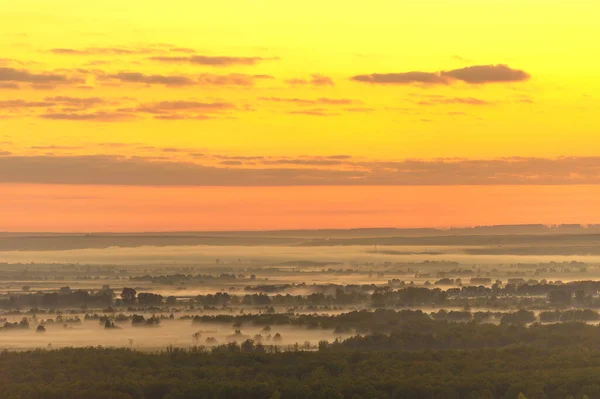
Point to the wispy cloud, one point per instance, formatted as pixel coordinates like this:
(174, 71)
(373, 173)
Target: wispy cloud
(442, 100)
(9, 86)
(313, 112)
(268, 171)
(216, 61)
(315, 80)
(233, 79)
(478, 74)
(402, 78)
(322, 100)
(181, 105)
(16, 104)
(206, 79)
(103, 50)
(13, 75)
(75, 101)
(99, 116)
(137, 77)
(180, 110)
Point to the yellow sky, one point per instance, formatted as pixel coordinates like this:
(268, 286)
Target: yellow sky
(553, 41)
(322, 88)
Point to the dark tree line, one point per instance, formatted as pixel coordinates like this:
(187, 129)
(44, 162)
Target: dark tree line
(242, 371)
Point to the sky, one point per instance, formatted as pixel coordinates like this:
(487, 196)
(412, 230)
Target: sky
(130, 116)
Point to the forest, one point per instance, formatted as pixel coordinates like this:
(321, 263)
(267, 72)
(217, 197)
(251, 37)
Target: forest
(286, 321)
(240, 372)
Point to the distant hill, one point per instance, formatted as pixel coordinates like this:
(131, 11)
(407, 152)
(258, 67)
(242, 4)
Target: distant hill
(480, 235)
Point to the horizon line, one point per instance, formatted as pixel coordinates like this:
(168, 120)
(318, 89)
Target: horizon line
(438, 228)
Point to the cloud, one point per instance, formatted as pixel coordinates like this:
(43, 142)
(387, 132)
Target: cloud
(5, 153)
(233, 79)
(137, 77)
(338, 157)
(239, 157)
(114, 170)
(105, 169)
(100, 116)
(182, 50)
(322, 100)
(304, 162)
(288, 100)
(510, 170)
(315, 80)
(359, 109)
(480, 74)
(86, 109)
(319, 101)
(206, 79)
(313, 112)
(462, 59)
(43, 87)
(436, 100)
(181, 105)
(263, 76)
(216, 61)
(24, 76)
(167, 80)
(62, 108)
(179, 117)
(103, 50)
(336, 101)
(11, 86)
(181, 109)
(321, 80)
(477, 74)
(97, 63)
(16, 104)
(56, 147)
(76, 101)
(231, 163)
(402, 78)
(12, 61)
(68, 51)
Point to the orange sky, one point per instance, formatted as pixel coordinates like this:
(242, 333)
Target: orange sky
(109, 208)
(261, 98)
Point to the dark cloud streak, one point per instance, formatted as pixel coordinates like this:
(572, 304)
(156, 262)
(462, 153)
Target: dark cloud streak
(480, 74)
(216, 61)
(315, 80)
(477, 74)
(25, 76)
(115, 170)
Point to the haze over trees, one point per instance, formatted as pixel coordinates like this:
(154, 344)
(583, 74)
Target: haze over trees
(307, 320)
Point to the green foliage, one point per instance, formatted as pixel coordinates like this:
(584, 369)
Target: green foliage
(518, 372)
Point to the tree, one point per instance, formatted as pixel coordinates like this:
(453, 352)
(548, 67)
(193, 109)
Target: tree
(128, 295)
(171, 300)
(109, 324)
(196, 336)
(580, 297)
(247, 346)
(559, 297)
(24, 323)
(149, 299)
